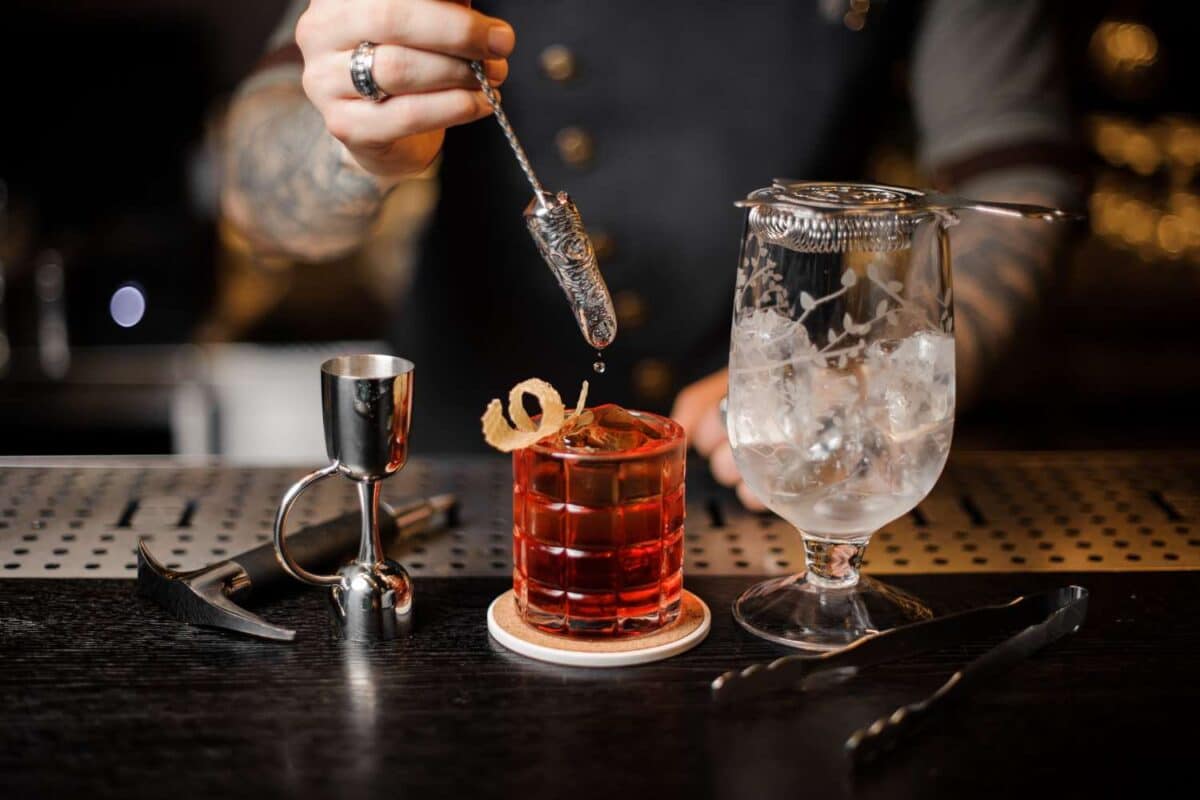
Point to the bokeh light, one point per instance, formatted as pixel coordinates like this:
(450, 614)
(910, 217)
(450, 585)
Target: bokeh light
(128, 305)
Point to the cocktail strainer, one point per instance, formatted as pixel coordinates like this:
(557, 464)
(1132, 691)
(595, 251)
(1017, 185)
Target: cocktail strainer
(819, 217)
(557, 228)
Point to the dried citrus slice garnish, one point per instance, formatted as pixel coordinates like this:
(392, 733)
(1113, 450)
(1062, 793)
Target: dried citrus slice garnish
(523, 432)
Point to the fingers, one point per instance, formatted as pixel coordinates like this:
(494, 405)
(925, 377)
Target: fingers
(419, 62)
(696, 402)
(403, 70)
(709, 432)
(696, 409)
(432, 25)
(749, 498)
(377, 126)
(723, 467)
(726, 472)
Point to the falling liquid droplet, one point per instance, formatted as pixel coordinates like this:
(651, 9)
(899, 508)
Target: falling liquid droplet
(599, 366)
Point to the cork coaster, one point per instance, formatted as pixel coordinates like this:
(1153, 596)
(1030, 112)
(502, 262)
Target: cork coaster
(506, 627)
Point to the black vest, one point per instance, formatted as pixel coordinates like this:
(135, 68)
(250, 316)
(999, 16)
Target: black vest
(688, 106)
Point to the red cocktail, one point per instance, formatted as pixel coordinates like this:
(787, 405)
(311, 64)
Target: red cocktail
(598, 524)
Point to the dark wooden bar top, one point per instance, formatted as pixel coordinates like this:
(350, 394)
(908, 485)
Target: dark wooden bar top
(102, 695)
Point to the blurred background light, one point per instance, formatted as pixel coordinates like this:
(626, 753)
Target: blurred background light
(1123, 47)
(127, 306)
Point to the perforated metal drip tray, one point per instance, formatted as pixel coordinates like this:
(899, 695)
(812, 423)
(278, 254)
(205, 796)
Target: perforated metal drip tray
(991, 512)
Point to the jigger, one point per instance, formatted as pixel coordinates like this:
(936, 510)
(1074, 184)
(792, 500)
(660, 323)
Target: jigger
(367, 405)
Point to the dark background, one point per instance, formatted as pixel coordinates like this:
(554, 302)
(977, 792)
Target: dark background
(108, 154)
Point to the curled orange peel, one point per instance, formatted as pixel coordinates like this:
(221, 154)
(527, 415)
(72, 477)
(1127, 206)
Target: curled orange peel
(523, 432)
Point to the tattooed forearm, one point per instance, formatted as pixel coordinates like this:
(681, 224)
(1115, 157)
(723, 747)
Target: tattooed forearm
(1001, 268)
(290, 187)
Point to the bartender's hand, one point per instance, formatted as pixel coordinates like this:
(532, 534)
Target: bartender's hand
(697, 409)
(421, 60)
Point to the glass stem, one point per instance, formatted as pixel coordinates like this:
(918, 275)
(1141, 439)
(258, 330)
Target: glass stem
(833, 564)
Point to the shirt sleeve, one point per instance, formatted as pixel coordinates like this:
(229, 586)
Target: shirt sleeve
(988, 91)
(281, 61)
(284, 34)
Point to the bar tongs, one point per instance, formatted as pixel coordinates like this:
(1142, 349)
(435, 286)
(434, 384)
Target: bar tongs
(1040, 618)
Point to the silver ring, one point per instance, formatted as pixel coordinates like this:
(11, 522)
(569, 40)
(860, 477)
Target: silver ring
(361, 65)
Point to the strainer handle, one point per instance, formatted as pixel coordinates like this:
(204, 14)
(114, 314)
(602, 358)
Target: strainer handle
(1018, 210)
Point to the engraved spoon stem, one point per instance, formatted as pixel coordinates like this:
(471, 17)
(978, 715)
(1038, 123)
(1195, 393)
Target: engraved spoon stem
(509, 133)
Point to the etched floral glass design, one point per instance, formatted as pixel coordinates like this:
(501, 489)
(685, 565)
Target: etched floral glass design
(840, 415)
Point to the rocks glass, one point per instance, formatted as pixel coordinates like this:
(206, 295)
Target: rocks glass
(598, 526)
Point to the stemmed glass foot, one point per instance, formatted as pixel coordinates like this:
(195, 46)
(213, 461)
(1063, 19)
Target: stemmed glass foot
(827, 606)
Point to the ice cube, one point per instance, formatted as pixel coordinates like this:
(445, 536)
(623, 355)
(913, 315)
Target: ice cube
(828, 438)
(765, 337)
(576, 423)
(911, 383)
(609, 428)
(614, 417)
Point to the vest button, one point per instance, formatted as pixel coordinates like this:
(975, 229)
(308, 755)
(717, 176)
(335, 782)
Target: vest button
(631, 309)
(575, 147)
(652, 380)
(604, 245)
(558, 63)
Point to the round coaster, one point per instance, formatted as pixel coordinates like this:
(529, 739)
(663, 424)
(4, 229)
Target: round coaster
(506, 627)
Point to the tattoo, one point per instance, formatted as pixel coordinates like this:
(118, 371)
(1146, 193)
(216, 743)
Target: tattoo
(289, 184)
(1001, 267)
